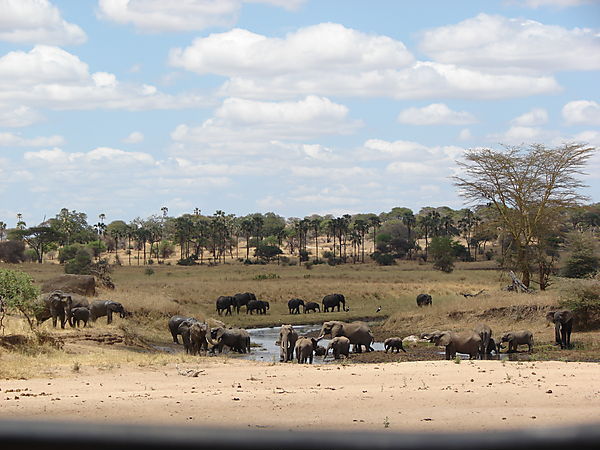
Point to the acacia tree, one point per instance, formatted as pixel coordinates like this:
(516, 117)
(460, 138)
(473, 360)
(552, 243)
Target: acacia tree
(529, 188)
(18, 292)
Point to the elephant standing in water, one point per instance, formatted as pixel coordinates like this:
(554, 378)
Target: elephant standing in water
(287, 343)
(485, 333)
(563, 324)
(467, 342)
(340, 346)
(101, 308)
(305, 348)
(358, 333)
(196, 336)
(394, 343)
(236, 339)
(516, 338)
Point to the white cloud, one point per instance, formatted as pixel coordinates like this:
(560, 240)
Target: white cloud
(502, 44)
(582, 112)
(435, 114)
(535, 117)
(134, 138)
(51, 77)
(352, 63)
(465, 135)
(15, 140)
(183, 15)
(101, 155)
(36, 22)
(19, 116)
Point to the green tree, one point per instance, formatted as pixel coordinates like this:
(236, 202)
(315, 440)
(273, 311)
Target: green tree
(18, 292)
(442, 252)
(40, 239)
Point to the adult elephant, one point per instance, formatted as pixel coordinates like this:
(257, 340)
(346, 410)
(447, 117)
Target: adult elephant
(332, 300)
(101, 308)
(294, 305)
(563, 324)
(467, 342)
(225, 303)
(242, 299)
(175, 322)
(358, 333)
(56, 305)
(485, 333)
(424, 300)
(236, 339)
(287, 342)
(196, 336)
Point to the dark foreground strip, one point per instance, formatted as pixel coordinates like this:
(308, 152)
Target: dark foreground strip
(20, 435)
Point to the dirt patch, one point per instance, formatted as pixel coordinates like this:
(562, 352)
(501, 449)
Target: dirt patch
(417, 353)
(515, 312)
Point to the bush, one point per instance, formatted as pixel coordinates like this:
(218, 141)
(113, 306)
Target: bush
(584, 301)
(12, 252)
(68, 252)
(267, 251)
(383, 259)
(30, 255)
(581, 266)
(187, 262)
(18, 292)
(442, 252)
(97, 248)
(149, 271)
(165, 249)
(303, 255)
(81, 264)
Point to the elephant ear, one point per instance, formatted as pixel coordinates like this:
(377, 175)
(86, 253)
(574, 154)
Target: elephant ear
(444, 340)
(550, 316)
(336, 330)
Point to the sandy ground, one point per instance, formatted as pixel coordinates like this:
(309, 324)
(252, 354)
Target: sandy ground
(415, 396)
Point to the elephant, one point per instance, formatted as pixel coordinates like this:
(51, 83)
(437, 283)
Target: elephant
(563, 324)
(312, 306)
(466, 342)
(424, 300)
(56, 305)
(101, 308)
(516, 338)
(236, 339)
(242, 299)
(340, 346)
(195, 335)
(294, 305)
(492, 347)
(225, 303)
(332, 300)
(79, 314)
(259, 306)
(395, 343)
(485, 333)
(174, 323)
(305, 348)
(320, 351)
(358, 333)
(287, 343)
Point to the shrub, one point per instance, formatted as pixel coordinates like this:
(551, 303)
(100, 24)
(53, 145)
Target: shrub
(442, 252)
(12, 252)
(267, 251)
(149, 271)
(303, 255)
(97, 247)
(81, 264)
(18, 292)
(68, 252)
(165, 249)
(187, 262)
(584, 301)
(30, 255)
(383, 259)
(581, 266)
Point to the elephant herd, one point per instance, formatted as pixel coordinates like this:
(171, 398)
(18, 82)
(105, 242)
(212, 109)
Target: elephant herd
(199, 337)
(329, 302)
(75, 309)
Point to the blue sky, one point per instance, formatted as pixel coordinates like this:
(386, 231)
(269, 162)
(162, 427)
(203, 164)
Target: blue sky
(297, 107)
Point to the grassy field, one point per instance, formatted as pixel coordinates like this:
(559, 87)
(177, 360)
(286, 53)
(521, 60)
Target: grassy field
(193, 290)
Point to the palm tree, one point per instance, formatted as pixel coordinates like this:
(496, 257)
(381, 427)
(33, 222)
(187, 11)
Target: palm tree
(247, 228)
(315, 223)
(361, 226)
(375, 222)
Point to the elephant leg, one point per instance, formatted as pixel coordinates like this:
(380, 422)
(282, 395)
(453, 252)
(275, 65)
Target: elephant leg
(109, 317)
(557, 337)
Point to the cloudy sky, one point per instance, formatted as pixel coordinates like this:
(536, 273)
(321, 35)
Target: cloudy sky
(293, 106)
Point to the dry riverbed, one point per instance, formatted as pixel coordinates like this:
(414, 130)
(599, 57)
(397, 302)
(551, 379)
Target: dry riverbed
(412, 396)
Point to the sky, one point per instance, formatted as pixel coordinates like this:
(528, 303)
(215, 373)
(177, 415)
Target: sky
(298, 107)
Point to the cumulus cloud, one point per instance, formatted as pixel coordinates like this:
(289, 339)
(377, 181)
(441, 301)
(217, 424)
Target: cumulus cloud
(582, 112)
(352, 63)
(36, 22)
(535, 117)
(15, 140)
(183, 15)
(51, 77)
(435, 114)
(19, 116)
(134, 138)
(498, 43)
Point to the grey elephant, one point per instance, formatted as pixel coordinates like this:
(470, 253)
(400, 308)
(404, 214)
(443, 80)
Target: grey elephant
(236, 339)
(312, 306)
(394, 343)
(467, 342)
(225, 303)
(196, 336)
(78, 315)
(516, 338)
(242, 299)
(563, 324)
(101, 308)
(333, 300)
(56, 305)
(287, 343)
(358, 332)
(294, 305)
(492, 347)
(485, 333)
(304, 349)
(259, 306)
(339, 345)
(320, 351)
(424, 300)
(174, 323)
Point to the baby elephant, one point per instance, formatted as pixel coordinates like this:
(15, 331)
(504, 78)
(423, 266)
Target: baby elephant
(516, 338)
(395, 343)
(340, 346)
(80, 314)
(304, 349)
